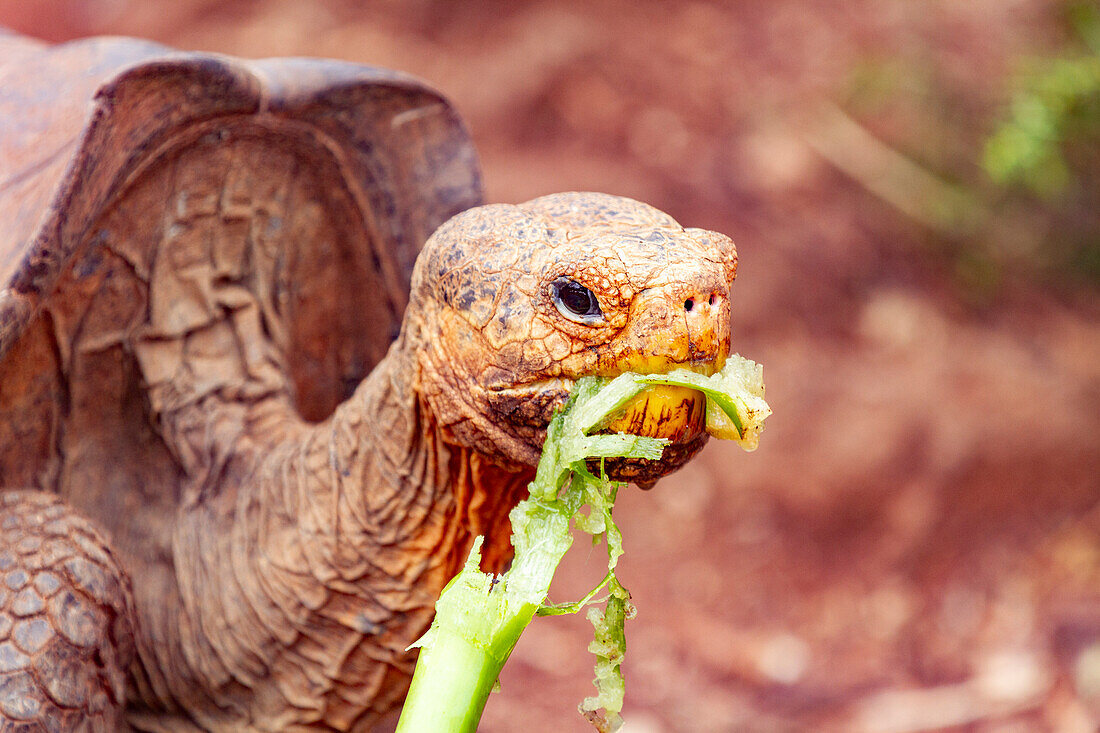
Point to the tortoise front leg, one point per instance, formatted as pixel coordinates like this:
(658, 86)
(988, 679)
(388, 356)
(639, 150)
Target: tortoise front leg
(66, 619)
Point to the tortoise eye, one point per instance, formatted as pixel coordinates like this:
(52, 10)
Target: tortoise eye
(575, 301)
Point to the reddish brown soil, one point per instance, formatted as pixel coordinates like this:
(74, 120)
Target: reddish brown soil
(916, 544)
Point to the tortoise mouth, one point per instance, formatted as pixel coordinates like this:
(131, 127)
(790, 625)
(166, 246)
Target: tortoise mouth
(676, 414)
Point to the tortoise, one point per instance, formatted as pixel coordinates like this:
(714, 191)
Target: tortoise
(268, 365)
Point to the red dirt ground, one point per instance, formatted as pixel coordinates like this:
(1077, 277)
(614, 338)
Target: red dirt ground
(916, 544)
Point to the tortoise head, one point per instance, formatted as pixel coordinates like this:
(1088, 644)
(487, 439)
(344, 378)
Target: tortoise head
(516, 302)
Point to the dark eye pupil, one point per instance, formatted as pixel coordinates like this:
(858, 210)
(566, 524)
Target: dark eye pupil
(576, 298)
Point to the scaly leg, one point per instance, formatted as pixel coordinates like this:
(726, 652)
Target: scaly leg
(66, 633)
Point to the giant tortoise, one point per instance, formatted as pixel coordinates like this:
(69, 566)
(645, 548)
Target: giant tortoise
(253, 410)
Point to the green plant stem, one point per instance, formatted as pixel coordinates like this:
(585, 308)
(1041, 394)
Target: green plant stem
(479, 617)
(454, 677)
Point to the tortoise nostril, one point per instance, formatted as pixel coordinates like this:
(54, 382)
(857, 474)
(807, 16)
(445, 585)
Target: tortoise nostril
(689, 304)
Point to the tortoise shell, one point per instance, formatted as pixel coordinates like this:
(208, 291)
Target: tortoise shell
(147, 191)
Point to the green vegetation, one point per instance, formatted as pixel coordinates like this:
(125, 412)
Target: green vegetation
(1045, 151)
(1005, 180)
(479, 618)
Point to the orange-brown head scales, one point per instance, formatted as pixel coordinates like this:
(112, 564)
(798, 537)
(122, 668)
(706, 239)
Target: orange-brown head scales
(515, 302)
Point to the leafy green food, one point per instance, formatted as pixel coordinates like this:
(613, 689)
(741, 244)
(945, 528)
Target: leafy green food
(479, 618)
(735, 398)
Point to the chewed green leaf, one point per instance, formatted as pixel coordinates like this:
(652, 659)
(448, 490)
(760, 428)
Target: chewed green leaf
(621, 446)
(735, 398)
(712, 389)
(610, 398)
(479, 617)
(609, 646)
(561, 609)
(540, 536)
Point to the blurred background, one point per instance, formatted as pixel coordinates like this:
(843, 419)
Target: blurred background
(914, 188)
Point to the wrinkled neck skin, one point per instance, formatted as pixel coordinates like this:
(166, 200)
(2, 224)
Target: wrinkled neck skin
(304, 559)
(305, 569)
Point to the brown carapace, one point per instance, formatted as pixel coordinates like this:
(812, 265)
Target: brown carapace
(239, 454)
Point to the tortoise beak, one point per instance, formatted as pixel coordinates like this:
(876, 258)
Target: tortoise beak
(677, 414)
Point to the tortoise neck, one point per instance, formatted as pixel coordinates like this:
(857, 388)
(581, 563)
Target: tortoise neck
(483, 493)
(353, 525)
(422, 487)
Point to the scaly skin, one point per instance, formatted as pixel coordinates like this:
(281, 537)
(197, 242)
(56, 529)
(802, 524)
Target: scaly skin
(303, 559)
(500, 357)
(65, 614)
